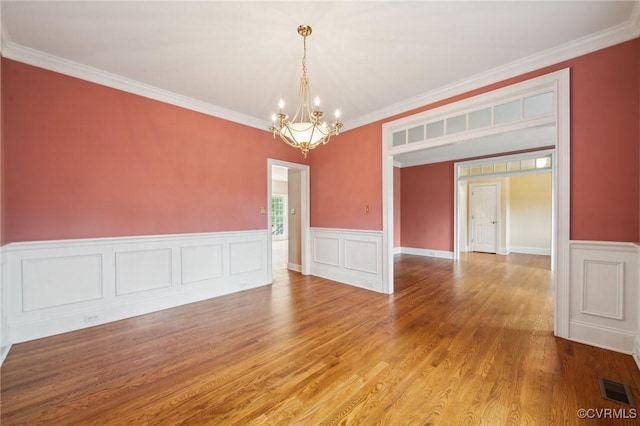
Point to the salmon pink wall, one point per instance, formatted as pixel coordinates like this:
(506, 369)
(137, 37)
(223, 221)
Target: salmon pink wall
(397, 211)
(427, 206)
(84, 160)
(605, 114)
(605, 123)
(346, 175)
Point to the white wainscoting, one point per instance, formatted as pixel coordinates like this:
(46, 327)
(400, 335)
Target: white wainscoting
(604, 294)
(58, 286)
(348, 256)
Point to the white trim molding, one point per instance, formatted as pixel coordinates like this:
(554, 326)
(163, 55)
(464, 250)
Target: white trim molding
(601, 40)
(60, 65)
(54, 287)
(582, 46)
(529, 250)
(605, 294)
(348, 256)
(440, 254)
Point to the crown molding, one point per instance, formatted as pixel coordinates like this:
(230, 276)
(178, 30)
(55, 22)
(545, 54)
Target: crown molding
(603, 39)
(582, 46)
(635, 16)
(50, 62)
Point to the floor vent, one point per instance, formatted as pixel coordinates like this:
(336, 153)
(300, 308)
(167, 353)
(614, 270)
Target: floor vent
(616, 391)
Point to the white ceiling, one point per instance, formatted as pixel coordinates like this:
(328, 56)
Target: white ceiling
(371, 59)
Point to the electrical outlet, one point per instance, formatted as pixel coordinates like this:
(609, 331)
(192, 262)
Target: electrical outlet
(90, 318)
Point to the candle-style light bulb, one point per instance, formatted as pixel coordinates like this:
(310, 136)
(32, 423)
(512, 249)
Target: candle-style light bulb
(273, 118)
(337, 114)
(281, 104)
(317, 102)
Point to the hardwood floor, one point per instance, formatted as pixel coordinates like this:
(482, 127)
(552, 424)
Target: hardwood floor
(467, 342)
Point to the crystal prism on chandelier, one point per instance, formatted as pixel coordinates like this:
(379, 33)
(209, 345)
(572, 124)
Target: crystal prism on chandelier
(307, 129)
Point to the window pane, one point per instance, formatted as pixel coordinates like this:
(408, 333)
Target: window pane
(399, 138)
(435, 129)
(529, 164)
(416, 134)
(500, 167)
(278, 215)
(538, 104)
(480, 118)
(505, 113)
(476, 170)
(456, 124)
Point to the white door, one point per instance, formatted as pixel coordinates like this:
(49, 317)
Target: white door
(484, 217)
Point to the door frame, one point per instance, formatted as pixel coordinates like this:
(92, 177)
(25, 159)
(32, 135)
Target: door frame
(556, 204)
(498, 223)
(557, 81)
(305, 222)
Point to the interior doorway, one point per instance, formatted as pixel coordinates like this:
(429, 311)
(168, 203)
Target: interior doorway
(288, 216)
(505, 204)
(279, 224)
(484, 216)
(426, 137)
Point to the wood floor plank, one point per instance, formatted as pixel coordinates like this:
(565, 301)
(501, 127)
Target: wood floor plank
(466, 342)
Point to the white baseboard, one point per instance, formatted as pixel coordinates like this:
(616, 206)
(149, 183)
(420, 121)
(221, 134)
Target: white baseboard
(636, 351)
(348, 256)
(294, 267)
(602, 337)
(54, 287)
(397, 250)
(4, 351)
(530, 250)
(427, 252)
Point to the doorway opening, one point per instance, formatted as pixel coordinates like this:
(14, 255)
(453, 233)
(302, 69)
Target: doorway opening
(287, 217)
(505, 205)
(535, 111)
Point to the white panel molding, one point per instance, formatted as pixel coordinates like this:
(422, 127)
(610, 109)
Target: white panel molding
(348, 256)
(246, 256)
(201, 263)
(605, 292)
(441, 254)
(326, 250)
(41, 275)
(361, 255)
(608, 303)
(179, 269)
(142, 270)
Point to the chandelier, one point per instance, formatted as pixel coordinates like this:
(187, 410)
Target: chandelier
(307, 129)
